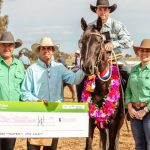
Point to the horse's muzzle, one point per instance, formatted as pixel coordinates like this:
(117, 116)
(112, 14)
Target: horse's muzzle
(89, 69)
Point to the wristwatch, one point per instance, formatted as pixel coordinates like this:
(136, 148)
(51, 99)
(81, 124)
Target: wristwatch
(146, 109)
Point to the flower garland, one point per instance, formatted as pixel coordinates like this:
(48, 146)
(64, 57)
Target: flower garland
(102, 114)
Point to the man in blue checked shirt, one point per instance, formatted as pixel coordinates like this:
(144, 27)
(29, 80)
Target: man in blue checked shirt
(116, 37)
(44, 80)
(115, 34)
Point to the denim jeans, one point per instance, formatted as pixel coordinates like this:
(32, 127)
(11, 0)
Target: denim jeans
(141, 132)
(7, 143)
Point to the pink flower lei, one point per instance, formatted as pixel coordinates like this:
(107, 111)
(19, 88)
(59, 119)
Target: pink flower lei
(103, 113)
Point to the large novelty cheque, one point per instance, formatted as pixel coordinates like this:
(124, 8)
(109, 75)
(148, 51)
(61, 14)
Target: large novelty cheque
(34, 119)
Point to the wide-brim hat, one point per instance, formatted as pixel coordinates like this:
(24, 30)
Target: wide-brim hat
(46, 41)
(145, 44)
(7, 37)
(77, 52)
(103, 3)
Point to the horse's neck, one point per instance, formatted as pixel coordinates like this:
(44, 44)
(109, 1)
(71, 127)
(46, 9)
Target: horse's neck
(101, 90)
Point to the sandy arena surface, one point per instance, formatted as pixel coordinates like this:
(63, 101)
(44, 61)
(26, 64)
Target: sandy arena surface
(126, 141)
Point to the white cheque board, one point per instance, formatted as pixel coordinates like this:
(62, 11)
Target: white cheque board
(34, 119)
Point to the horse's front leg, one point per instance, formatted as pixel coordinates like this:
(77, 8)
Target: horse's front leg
(91, 134)
(54, 144)
(115, 131)
(104, 138)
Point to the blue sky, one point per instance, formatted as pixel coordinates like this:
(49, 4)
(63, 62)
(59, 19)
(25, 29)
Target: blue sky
(60, 19)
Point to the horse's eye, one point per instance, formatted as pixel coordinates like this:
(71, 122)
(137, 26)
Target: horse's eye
(80, 43)
(98, 42)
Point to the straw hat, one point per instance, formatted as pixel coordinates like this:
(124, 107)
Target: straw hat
(7, 37)
(46, 41)
(77, 52)
(145, 44)
(103, 3)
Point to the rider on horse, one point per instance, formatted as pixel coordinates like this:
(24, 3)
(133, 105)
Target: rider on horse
(114, 32)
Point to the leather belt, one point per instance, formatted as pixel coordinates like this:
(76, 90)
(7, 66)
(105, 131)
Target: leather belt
(139, 105)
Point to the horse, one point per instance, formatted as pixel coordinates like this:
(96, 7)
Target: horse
(94, 60)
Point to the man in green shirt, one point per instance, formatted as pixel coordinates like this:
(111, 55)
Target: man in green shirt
(11, 76)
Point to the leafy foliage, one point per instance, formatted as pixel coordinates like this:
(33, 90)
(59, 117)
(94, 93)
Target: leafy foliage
(64, 55)
(3, 23)
(3, 20)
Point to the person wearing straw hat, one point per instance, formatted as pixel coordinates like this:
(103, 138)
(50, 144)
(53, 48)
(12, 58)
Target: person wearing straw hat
(138, 97)
(44, 80)
(11, 76)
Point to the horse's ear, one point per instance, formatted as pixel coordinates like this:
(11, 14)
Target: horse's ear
(99, 24)
(83, 24)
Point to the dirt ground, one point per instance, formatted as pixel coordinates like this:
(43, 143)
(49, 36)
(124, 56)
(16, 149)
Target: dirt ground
(126, 141)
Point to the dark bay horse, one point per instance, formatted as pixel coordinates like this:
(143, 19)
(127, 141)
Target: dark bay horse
(95, 59)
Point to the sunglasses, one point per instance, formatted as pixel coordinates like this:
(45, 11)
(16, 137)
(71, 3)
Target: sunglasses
(7, 44)
(144, 50)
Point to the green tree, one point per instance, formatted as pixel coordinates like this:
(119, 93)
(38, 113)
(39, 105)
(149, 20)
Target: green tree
(3, 23)
(1, 1)
(64, 55)
(3, 20)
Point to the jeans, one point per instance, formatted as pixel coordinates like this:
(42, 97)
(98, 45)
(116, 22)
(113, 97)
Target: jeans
(7, 143)
(37, 147)
(141, 132)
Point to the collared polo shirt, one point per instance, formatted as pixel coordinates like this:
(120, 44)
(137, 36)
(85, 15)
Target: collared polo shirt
(138, 87)
(11, 78)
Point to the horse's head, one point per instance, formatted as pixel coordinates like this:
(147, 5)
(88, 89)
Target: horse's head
(92, 47)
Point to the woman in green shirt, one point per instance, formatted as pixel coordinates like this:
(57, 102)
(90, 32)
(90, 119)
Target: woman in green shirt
(138, 97)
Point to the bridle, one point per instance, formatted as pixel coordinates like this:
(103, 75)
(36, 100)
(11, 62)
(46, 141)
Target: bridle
(102, 49)
(99, 57)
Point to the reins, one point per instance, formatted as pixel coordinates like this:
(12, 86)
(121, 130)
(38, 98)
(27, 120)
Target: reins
(102, 50)
(123, 97)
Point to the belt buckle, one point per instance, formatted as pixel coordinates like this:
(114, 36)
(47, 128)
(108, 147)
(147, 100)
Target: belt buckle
(142, 105)
(138, 106)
